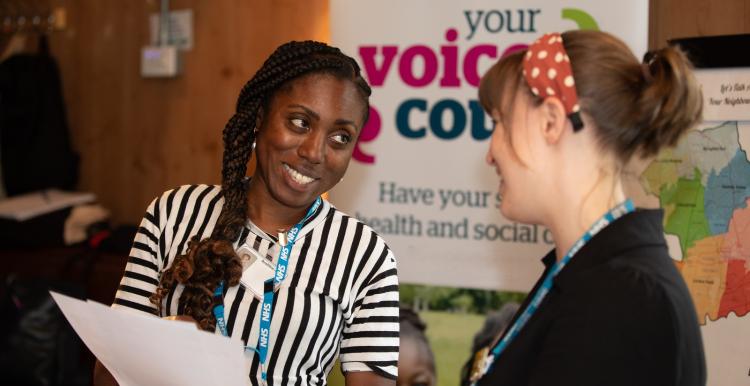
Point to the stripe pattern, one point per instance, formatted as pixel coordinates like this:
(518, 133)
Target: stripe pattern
(340, 297)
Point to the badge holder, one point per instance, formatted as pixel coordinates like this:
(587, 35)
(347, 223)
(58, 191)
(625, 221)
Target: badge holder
(256, 269)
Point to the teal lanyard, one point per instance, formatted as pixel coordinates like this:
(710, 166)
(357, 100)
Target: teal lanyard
(615, 213)
(266, 309)
(219, 308)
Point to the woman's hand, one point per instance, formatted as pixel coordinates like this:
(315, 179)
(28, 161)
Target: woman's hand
(102, 376)
(182, 318)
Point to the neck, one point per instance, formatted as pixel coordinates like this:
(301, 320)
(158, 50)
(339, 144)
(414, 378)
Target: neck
(269, 214)
(569, 222)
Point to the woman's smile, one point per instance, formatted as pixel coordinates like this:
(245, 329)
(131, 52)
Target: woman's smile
(298, 177)
(299, 149)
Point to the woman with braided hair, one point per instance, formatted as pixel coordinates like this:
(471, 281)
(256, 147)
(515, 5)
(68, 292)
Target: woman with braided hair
(264, 259)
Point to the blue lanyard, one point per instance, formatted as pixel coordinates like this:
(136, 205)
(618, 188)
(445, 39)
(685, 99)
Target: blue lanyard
(615, 213)
(266, 309)
(219, 309)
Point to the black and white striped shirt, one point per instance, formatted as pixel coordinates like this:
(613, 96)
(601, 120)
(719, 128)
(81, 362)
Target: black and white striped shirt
(339, 299)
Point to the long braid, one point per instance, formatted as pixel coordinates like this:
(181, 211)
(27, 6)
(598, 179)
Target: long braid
(210, 261)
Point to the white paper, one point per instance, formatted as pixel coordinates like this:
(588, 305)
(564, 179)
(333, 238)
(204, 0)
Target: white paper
(144, 350)
(30, 205)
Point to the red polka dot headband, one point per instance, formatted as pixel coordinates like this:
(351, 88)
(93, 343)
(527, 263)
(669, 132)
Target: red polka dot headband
(547, 71)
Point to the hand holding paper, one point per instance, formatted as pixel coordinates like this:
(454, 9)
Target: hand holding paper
(144, 350)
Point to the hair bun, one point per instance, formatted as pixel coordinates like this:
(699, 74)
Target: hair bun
(671, 102)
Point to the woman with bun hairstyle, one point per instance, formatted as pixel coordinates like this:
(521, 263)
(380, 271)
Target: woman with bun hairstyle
(611, 307)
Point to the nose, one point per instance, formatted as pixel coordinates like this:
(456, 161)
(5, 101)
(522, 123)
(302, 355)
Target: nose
(312, 147)
(488, 157)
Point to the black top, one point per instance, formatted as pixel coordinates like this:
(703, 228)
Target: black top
(618, 314)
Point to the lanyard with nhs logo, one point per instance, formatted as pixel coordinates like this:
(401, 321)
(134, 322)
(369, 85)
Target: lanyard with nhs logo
(266, 309)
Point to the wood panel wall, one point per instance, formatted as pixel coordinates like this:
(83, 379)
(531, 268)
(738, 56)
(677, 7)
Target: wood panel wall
(670, 19)
(138, 137)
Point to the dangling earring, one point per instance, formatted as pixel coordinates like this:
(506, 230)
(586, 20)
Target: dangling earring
(255, 138)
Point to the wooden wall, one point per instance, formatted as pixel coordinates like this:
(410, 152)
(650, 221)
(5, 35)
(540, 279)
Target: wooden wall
(669, 19)
(138, 137)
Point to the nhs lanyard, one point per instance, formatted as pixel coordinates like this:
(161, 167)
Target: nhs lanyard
(266, 308)
(615, 213)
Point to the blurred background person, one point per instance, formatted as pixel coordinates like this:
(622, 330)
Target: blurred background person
(416, 363)
(494, 324)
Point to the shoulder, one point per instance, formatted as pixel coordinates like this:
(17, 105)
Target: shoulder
(184, 198)
(640, 304)
(625, 279)
(644, 290)
(189, 192)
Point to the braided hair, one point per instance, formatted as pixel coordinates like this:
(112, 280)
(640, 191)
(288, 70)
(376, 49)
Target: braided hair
(213, 260)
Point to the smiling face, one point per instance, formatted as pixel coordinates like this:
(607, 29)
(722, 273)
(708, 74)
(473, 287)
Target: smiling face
(511, 153)
(306, 138)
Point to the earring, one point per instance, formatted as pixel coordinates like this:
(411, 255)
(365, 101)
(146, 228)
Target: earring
(252, 148)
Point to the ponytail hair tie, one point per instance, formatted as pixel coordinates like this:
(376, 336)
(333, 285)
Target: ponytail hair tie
(648, 59)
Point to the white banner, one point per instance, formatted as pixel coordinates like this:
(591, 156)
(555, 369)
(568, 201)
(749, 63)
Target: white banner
(419, 176)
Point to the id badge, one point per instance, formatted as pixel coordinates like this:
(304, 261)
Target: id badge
(479, 364)
(255, 270)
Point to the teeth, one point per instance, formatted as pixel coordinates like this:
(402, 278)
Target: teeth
(297, 176)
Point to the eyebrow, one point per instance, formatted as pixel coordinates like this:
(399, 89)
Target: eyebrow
(317, 116)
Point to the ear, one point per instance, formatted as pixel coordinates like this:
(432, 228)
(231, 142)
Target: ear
(258, 119)
(554, 120)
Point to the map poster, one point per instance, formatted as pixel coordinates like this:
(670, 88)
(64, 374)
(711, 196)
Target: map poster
(703, 186)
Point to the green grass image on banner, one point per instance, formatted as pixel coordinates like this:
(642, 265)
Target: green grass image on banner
(453, 316)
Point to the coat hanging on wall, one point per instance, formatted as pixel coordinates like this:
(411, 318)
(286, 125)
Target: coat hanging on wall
(35, 150)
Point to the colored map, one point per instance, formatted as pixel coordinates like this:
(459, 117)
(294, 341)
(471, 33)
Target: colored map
(703, 186)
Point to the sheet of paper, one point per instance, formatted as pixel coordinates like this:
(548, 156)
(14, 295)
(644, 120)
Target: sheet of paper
(33, 204)
(144, 350)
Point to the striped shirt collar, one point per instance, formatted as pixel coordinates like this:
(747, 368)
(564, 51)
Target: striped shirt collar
(317, 218)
